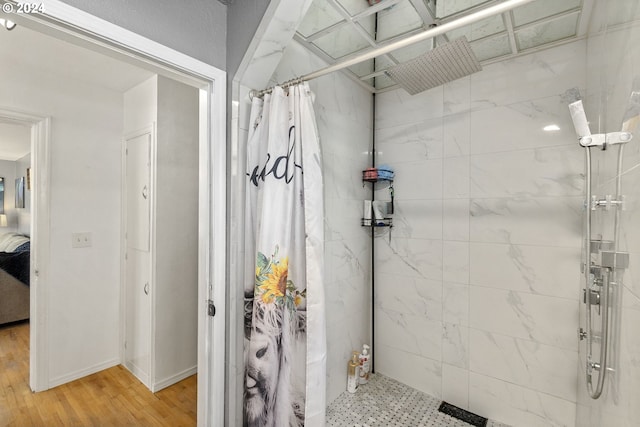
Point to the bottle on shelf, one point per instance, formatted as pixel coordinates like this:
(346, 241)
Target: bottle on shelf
(366, 219)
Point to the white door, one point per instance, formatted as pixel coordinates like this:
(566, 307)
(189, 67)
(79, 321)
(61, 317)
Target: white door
(138, 256)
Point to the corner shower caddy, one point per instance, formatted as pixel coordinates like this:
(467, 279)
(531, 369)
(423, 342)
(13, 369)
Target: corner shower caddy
(371, 175)
(387, 221)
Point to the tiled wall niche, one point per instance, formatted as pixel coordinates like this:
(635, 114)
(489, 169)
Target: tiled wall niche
(477, 286)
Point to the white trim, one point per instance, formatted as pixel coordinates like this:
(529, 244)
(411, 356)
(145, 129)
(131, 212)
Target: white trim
(83, 372)
(212, 274)
(204, 275)
(588, 7)
(61, 17)
(142, 375)
(153, 233)
(156, 387)
(122, 309)
(257, 39)
(78, 23)
(40, 238)
(217, 211)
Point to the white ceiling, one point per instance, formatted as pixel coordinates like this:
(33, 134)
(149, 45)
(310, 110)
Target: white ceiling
(56, 57)
(15, 141)
(26, 46)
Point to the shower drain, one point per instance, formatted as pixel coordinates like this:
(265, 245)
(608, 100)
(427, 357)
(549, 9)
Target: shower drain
(462, 414)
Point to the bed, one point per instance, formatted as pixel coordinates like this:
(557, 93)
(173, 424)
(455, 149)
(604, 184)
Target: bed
(15, 253)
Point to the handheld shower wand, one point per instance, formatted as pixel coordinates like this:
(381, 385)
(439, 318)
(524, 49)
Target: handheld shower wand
(598, 278)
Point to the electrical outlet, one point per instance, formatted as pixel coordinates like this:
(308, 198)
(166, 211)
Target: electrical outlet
(80, 240)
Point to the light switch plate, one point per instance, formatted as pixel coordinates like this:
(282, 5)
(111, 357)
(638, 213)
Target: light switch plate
(81, 240)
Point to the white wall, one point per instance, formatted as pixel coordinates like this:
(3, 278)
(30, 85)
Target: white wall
(176, 230)
(23, 215)
(243, 20)
(141, 105)
(173, 107)
(18, 220)
(8, 171)
(166, 22)
(83, 288)
(477, 290)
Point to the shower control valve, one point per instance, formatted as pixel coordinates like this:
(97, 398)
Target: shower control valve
(594, 297)
(615, 260)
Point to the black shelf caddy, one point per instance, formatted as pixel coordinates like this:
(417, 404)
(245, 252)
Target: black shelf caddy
(387, 221)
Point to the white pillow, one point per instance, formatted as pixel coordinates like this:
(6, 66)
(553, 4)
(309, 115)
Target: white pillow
(10, 241)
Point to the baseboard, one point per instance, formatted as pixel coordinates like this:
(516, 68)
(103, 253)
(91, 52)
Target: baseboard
(140, 374)
(174, 379)
(55, 382)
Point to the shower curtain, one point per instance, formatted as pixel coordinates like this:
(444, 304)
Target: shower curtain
(285, 337)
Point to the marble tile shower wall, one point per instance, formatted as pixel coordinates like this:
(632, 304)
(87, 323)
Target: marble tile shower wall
(477, 286)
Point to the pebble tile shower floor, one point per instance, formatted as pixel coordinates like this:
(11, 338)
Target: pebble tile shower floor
(384, 402)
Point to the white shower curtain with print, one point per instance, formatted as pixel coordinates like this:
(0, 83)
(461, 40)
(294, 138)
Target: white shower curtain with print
(285, 336)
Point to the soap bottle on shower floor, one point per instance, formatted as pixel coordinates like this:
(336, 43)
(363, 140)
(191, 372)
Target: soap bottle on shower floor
(353, 372)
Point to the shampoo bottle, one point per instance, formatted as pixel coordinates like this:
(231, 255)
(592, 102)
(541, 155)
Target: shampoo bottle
(378, 216)
(366, 219)
(365, 364)
(353, 372)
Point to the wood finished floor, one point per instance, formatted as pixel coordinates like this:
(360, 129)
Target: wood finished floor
(109, 398)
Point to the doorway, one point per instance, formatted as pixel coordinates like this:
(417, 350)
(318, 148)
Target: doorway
(37, 139)
(51, 329)
(15, 232)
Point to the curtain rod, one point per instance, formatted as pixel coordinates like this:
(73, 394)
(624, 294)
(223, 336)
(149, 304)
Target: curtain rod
(427, 34)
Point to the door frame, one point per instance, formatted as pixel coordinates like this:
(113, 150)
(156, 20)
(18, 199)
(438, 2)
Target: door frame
(79, 27)
(40, 239)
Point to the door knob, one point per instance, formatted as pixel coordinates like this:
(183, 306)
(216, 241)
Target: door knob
(146, 288)
(145, 192)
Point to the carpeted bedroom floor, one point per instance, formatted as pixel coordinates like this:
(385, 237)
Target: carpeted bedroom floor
(112, 397)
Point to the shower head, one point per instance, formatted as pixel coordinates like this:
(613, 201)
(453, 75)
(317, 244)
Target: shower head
(579, 119)
(571, 95)
(438, 66)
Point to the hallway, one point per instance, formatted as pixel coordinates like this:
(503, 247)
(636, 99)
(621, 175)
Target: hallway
(112, 397)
